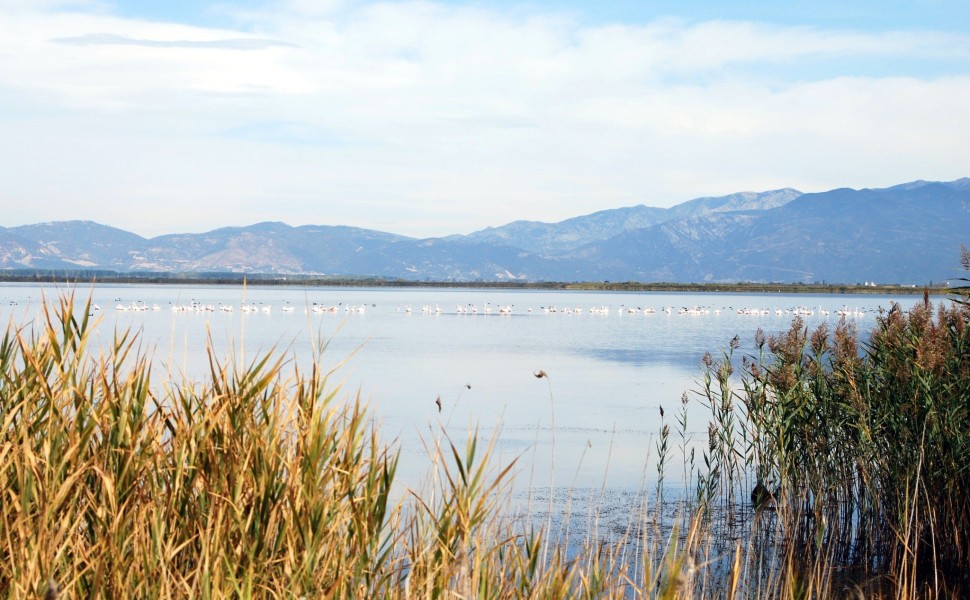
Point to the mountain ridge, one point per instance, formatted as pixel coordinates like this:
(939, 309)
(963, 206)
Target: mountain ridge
(907, 233)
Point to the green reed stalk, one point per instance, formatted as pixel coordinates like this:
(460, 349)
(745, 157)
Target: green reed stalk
(868, 446)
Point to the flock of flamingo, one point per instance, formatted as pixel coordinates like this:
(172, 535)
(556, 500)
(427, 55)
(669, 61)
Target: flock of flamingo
(489, 309)
(195, 306)
(199, 307)
(508, 309)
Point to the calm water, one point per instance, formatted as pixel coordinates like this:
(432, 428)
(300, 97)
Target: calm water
(611, 363)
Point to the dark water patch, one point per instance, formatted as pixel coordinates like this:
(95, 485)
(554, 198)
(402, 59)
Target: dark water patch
(647, 356)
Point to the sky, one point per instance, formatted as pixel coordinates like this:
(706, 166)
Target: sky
(432, 118)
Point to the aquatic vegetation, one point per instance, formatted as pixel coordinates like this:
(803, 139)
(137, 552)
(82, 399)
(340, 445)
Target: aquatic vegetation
(259, 481)
(863, 447)
(264, 480)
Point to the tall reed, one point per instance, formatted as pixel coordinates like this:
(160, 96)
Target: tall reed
(259, 481)
(861, 446)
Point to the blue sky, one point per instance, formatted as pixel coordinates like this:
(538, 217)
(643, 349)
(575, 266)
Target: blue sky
(431, 118)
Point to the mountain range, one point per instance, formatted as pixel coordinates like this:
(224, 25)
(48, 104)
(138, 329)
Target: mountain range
(906, 234)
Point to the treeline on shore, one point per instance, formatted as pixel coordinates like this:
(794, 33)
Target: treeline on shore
(68, 277)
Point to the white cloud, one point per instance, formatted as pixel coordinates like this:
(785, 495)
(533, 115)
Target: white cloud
(109, 39)
(427, 119)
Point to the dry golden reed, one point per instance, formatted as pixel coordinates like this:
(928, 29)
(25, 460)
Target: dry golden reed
(263, 481)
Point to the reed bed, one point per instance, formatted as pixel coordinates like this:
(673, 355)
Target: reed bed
(265, 481)
(258, 482)
(859, 450)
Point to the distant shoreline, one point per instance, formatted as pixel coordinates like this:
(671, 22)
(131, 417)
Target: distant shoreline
(75, 277)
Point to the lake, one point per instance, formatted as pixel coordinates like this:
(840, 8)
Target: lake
(611, 359)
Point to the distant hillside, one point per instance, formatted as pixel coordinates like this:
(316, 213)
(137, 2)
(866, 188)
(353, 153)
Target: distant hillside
(63, 244)
(733, 203)
(909, 234)
(904, 234)
(556, 239)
